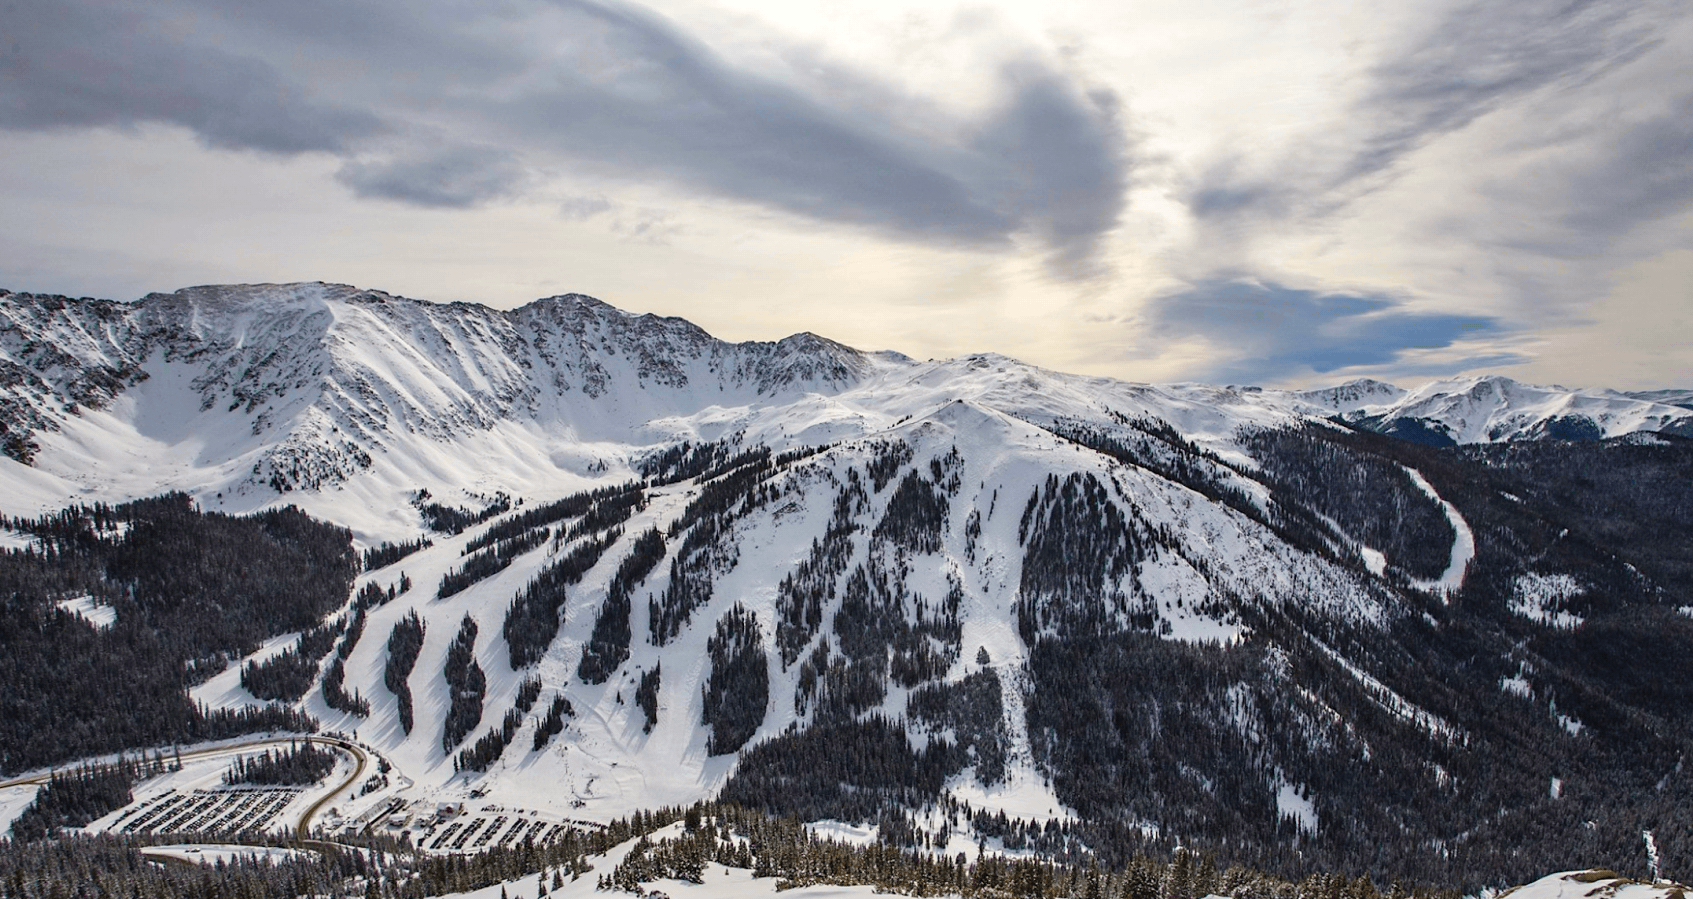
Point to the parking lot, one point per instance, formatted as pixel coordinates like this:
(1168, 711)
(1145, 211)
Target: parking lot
(231, 811)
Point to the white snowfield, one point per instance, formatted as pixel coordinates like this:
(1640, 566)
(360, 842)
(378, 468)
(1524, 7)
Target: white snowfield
(1594, 884)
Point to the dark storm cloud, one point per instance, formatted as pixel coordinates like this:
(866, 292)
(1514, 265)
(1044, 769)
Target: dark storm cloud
(1477, 58)
(596, 89)
(1270, 331)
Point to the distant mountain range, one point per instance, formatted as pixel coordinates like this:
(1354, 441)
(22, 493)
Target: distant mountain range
(1439, 633)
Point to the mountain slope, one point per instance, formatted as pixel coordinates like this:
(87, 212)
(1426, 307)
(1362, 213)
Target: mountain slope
(962, 600)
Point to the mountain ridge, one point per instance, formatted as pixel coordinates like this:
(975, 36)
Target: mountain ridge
(327, 380)
(969, 601)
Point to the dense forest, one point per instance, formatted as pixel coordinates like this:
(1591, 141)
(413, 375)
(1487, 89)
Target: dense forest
(189, 590)
(405, 641)
(766, 846)
(76, 796)
(737, 692)
(298, 765)
(466, 686)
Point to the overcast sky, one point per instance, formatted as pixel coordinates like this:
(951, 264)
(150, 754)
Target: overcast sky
(1280, 193)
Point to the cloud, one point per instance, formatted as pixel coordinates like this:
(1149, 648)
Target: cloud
(1476, 58)
(1060, 162)
(452, 176)
(65, 65)
(1263, 331)
(1644, 172)
(414, 97)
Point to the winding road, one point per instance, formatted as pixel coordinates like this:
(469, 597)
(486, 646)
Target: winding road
(302, 830)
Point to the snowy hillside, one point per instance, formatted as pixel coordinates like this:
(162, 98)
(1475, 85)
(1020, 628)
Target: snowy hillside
(614, 563)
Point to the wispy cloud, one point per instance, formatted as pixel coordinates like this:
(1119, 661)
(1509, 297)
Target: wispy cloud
(1473, 60)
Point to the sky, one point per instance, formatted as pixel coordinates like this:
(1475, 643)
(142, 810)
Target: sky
(1274, 193)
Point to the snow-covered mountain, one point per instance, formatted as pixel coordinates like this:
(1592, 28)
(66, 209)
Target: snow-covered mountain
(240, 393)
(1493, 409)
(857, 586)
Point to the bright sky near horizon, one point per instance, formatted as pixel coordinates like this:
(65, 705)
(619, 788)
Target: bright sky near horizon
(1282, 193)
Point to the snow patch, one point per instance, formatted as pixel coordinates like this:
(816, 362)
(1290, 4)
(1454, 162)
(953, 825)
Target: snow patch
(1393, 702)
(1293, 803)
(225, 853)
(1374, 560)
(1516, 686)
(1593, 883)
(1537, 597)
(13, 801)
(10, 539)
(842, 832)
(84, 607)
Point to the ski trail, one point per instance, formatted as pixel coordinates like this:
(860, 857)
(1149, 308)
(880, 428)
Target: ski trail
(1463, 545)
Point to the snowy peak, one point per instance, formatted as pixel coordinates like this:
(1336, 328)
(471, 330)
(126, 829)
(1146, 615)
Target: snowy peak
(279, 388)
(1495, 409)
(1353, 395)
(327, 377)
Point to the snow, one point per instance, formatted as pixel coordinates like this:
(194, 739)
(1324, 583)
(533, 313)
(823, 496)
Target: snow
(1538, 598)
(10, 539)
(1490, 408)
(1374, 560)
(1463, 544)
(842, 832)
(224, 853)
(537, 400)
(13, 801)
(84, 607)
(568, 394)
(203, 767)
(224, 690)
(719, 882)
(1516, 686)
(1592, 884)
(1293, 803)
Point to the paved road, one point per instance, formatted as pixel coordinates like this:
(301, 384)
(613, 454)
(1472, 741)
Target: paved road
(302, 829)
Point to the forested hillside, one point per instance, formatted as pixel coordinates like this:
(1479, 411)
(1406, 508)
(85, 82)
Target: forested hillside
(184, 591)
